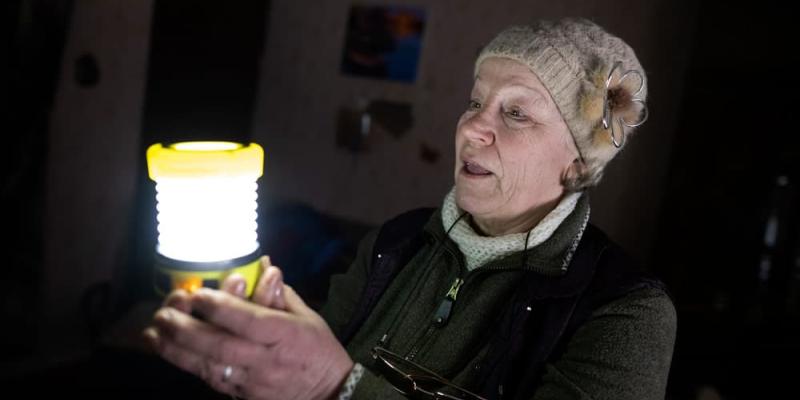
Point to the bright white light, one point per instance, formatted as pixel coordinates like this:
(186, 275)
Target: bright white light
(206, 219)
(205, 146)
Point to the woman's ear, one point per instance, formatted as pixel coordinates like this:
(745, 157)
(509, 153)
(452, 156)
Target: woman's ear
(573, 173)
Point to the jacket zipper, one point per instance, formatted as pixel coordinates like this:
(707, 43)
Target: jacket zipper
(445, 309)
(446, 306)
(440, 318)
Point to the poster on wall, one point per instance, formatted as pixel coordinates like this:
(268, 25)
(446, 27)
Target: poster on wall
(383, 42)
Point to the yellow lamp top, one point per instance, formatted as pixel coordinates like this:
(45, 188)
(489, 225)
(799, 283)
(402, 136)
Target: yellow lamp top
(205, 159)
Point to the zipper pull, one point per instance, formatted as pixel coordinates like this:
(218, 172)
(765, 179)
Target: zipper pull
(446, 306)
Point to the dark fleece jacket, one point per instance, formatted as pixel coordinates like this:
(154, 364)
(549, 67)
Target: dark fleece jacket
(623, 351)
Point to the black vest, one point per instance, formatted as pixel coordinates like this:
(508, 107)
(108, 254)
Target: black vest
(524, 340)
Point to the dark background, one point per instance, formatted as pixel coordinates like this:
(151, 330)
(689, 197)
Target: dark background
(738, 299)
(735, 164)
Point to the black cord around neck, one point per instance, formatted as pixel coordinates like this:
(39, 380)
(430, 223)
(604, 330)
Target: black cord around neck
(525, 248)
(422, 278)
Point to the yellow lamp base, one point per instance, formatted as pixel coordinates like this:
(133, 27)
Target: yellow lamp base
(173, 274)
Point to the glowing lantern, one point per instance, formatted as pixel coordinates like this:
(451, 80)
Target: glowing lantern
(206, 195)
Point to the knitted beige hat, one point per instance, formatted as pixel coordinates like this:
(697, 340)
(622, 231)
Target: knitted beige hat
(586, 71)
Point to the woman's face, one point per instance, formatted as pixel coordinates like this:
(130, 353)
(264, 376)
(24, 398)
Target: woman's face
(513, 149)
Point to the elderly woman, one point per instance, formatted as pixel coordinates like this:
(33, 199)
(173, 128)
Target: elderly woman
(505, 291)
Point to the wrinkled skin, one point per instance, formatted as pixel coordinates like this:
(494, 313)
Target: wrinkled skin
(277, 347)
(518, 146)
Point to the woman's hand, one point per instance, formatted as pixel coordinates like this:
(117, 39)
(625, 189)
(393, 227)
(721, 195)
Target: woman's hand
(273, 348)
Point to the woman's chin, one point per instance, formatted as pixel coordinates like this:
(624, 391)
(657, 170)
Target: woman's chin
(472, 200)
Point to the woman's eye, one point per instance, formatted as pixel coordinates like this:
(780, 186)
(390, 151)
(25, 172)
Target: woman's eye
(516, 114)
(474, 105)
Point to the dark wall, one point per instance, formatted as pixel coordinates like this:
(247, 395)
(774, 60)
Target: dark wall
(33, 36)
(203, 70)
(735, 167)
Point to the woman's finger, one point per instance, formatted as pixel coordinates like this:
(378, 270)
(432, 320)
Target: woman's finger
(235, 284)
(225, 378)
(184, 359)
(268, 292)
(242, 318)
(294, 303)
(229, 378)
(206, 340)
(152, 338)
(179, 300)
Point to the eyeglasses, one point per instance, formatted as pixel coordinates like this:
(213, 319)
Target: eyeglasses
(416, 381)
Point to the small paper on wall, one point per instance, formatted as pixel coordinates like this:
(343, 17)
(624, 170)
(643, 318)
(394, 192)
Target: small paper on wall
(383, 42)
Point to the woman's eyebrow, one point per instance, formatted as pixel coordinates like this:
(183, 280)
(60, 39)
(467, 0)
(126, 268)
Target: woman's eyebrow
(532, 95)
(538, 96)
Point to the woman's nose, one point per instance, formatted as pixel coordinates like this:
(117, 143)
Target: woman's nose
(478, 129)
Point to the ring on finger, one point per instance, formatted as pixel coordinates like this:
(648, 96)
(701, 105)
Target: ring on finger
(227, 373)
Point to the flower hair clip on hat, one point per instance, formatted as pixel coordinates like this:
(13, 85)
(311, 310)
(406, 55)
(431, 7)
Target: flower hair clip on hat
(621, 104)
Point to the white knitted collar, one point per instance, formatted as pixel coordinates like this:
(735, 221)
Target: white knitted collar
(479, 250)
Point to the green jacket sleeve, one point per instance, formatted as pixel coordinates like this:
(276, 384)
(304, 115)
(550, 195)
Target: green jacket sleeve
(345, 289)
(623, 351)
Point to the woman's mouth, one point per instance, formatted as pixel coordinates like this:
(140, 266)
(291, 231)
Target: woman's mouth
(471, 168)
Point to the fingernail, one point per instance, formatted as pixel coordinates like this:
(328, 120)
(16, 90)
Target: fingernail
(280, 302)
(277, 290)
(240, 288)
(164, 314)
(151, 335)
(274, 286)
